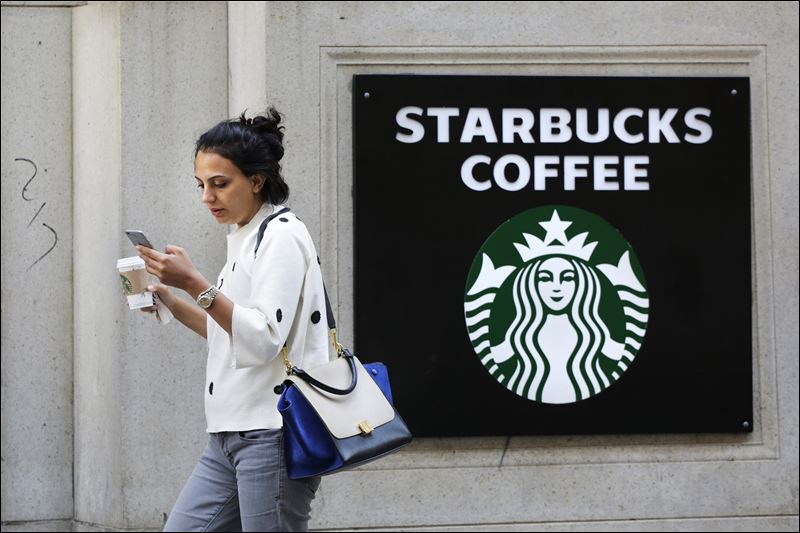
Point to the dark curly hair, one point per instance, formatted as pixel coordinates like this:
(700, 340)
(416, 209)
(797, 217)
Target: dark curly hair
(254, 145)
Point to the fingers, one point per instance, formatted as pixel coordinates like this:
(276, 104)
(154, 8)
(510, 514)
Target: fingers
(145, 252)
(150, 260)
(151, 270)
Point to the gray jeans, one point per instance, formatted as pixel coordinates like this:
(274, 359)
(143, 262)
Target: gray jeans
(240, 484)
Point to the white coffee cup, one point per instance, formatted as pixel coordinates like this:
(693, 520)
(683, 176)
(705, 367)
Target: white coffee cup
(135, 279)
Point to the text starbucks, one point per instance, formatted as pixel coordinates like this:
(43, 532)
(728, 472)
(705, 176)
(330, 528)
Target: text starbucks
(514, 172)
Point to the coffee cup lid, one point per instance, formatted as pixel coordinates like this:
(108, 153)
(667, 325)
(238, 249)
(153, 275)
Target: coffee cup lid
(130, 262)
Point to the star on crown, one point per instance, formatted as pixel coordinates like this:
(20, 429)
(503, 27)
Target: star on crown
(556, 232)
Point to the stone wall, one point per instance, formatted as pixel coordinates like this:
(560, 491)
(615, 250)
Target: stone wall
(107, 98)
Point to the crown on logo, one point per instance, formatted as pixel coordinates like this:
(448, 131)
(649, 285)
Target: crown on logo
(555, 232)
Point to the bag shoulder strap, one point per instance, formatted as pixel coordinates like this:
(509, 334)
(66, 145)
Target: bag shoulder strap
(261, 229)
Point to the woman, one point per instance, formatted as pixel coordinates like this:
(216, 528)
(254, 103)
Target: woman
(264, 299)
(557, 336)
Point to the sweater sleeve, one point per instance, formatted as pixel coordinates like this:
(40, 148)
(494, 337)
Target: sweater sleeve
(259, 332)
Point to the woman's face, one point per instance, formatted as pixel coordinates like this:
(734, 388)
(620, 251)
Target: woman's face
(555, 283)
(231, 197)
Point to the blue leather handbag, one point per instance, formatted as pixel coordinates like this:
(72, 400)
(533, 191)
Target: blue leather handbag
(326, 429)
(339, 415)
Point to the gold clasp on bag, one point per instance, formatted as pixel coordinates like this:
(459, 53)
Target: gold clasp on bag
(286, 362)
(365, 428)
(339, 347)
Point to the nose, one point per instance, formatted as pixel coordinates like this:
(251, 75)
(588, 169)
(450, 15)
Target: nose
(207, 195)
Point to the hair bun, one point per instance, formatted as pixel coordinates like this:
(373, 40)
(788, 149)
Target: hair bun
(275, 144)
(267, 127)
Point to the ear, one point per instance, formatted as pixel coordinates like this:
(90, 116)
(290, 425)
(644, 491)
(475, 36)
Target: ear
(259, 181)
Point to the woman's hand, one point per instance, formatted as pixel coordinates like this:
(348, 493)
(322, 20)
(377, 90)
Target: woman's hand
(168, 297)
(173, 268)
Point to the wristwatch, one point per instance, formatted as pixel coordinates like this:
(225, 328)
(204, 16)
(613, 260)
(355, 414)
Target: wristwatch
(206, 298)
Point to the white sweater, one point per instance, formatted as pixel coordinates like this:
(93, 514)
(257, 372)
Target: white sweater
(278, 298)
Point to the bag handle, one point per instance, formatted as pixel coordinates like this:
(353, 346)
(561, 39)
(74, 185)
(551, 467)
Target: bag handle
(340, 350)
(327, 388)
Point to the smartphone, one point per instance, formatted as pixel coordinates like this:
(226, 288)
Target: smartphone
(138, 238)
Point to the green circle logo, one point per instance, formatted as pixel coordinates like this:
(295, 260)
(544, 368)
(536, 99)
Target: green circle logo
(556, 304)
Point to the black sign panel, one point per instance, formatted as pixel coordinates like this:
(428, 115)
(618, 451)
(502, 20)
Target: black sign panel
(555, 255)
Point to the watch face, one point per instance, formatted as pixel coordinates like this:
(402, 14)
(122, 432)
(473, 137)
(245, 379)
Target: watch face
(205, 299)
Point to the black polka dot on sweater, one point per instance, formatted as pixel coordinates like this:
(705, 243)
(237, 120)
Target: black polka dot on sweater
(283, 219)
(280, 315)
(318, 260)
(315, 316)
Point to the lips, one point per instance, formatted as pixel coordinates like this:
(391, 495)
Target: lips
(216, 212)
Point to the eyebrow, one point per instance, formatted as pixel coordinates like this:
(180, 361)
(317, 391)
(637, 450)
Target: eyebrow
(212, 177)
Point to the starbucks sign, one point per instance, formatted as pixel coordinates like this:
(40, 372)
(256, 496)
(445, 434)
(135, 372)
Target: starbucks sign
(555, 308)
(555, 255)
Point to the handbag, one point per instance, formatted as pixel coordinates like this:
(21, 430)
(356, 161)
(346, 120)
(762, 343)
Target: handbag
(338, 415)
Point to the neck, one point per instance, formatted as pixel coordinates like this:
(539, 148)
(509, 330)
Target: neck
(251, 215)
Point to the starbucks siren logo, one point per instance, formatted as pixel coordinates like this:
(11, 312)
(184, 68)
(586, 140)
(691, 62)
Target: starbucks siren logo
(126, 285)
(564, 312)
